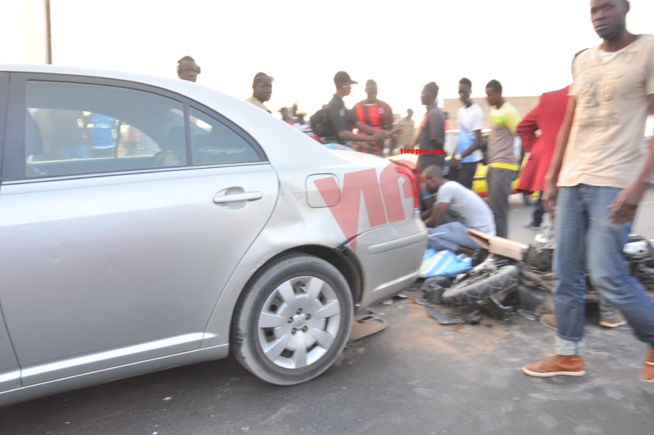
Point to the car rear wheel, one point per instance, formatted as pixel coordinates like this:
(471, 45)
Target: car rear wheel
(293, 320)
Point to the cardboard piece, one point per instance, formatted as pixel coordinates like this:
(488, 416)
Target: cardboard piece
(499, 245)
(365, 325)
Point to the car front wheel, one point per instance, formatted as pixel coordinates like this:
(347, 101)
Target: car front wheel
(293, 320)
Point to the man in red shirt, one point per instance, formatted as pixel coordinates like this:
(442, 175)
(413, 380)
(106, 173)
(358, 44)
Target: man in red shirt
(374, 113)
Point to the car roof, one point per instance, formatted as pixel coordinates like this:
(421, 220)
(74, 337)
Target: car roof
(108, 73)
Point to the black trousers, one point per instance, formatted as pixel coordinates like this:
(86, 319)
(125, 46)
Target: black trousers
(465, 174)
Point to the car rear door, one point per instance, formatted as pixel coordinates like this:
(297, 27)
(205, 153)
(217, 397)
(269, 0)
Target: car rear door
(115, 244)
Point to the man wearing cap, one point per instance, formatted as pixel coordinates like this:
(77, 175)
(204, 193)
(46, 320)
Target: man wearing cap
(342, 121)
(261, 90)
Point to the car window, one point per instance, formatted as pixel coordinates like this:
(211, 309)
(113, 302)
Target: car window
(213, 142)
(74, 128)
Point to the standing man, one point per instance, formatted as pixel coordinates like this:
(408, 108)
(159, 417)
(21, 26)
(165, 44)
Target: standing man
(342, 122)
(547, 118)
(406, 125)
(102, 135)
(432, 130)
(373, 113)
(602, 174)
(261, 90)
(187, 69)
(470, 118)
(286, 116)
(503, 166)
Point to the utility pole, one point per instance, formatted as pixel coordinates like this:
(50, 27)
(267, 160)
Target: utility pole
(48, 32)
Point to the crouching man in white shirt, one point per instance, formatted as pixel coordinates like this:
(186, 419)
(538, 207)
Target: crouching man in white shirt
(449, 210)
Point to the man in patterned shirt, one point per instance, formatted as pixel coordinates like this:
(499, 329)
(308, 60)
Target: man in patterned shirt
(602, 174)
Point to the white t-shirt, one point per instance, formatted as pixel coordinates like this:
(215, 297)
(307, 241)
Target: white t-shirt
(467, 207)
(605, 147)
(470, 119)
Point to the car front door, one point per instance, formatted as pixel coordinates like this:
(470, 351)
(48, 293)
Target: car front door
(9, 373)
(116, 235)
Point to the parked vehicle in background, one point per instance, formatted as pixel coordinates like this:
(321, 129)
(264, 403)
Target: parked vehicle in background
(197, 226)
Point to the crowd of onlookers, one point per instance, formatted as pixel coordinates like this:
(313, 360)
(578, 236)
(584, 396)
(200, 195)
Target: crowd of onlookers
(371, 127)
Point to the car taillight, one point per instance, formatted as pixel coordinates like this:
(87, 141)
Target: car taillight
(414, 183)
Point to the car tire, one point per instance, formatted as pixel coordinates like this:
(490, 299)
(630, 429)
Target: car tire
(293, 320)
(481, 287)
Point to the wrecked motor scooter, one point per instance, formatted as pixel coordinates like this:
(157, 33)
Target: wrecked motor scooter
(520, 276)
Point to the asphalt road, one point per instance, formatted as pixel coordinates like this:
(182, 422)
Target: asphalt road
(415, 377)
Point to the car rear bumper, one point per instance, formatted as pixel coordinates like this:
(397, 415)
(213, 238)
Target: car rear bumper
(390, 258)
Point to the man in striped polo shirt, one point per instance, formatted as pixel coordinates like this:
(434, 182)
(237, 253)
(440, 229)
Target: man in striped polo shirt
(373, 113)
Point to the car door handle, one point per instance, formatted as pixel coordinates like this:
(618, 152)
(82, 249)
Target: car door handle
(237, 197)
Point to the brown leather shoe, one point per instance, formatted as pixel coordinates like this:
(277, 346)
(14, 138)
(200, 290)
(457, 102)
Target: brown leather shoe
(549, 321)
(558, 365)
(648, 367)
(608, 321)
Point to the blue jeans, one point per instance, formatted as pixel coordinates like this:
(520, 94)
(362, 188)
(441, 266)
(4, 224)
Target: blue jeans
(450, 236)
(586, 239)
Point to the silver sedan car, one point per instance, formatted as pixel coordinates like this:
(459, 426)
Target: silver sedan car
(147, 223)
